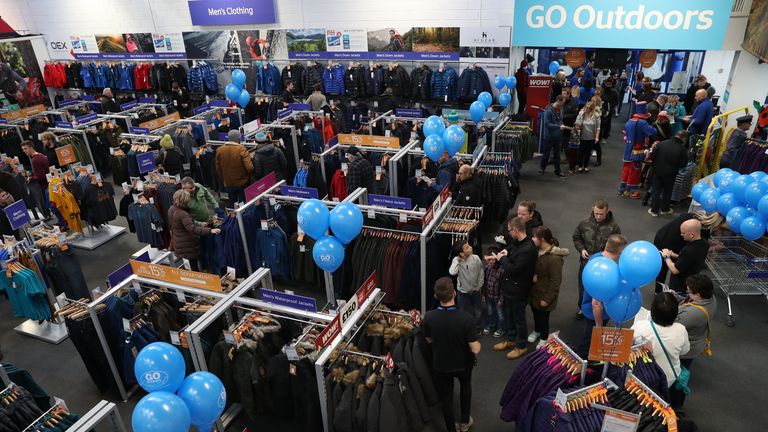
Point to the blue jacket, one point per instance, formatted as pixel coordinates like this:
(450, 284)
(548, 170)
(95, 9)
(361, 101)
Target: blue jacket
(268, 79)
(102, 75)
(446, 175)
(636, 132)
(126, 78)
(195, 80)
(87, 72)
(473, 82)
(272, 253)
(584, 95)
(374, 81)
(444, 83)
(210, 80)
(702, 117)
(551, 124)
(333, 80)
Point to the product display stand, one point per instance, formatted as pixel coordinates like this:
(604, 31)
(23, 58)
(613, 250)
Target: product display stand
(81, 132)
(555, 337)
(169, 129)
(13, 126)
(243, 299)
(218, 109)
(414, 149)
(104, 413)
(62, 111)
(278, 125)
(389, 117)
(98, 236)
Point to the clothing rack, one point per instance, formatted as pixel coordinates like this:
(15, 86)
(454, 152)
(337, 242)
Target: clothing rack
(44, 417)
(277, 125)
(104, 413)
(216, 109)
(181, 123)
(13, 126)
(391, 164)
(555, 337)
(633, 383)
(588, 392)
(390, 117)
(243, 297)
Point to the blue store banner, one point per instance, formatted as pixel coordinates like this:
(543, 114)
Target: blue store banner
(125, 271)
(86, 118)
(139, 130)
(146, 162)
(17, 214)
(231, 12)
(391, 202)
(661, 24)
(291, 300)
(299, 192)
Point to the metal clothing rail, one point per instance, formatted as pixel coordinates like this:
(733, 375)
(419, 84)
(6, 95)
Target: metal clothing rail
(104, 413)
(583, 375)
(182, 122)
(391, 166)
(73, 131)
(215, 110)
(13, 126)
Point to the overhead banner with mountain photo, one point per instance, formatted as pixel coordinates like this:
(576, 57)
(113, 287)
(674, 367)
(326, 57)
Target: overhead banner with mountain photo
(127, 46)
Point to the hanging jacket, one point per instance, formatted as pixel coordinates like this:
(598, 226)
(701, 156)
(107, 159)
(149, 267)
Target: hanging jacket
(141, 76)
(354, 82)
(126, 78)
(295, 72)
(374, 81)
(74, 77)
(268, 79)
(397, 78)
(87, 76)
(444, 84)
(312, 75)
(421, 78)
(210, 80)
(101, 75)
(472, 82)
(333, 79)
(195, 80)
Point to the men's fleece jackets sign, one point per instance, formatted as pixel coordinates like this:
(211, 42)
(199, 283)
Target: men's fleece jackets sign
(234, 165)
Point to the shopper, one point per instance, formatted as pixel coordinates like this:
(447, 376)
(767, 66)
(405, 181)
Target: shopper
(668, 338)
(558, 85)
(37, 181)
(317, 99)
(702, 115)
(6, 199)
(453, 338)
(590, 237)
(447, 171)
(668, 157)
(668, 236)
(268, 158)
(578, 77)
(360, 172)
(547, 280)
(49, 147)
(690, 260)
(469, 193)
(593, 309)
(570, 113)
(588, 126)
(521, 89)
(586, 92)
(185, 233)
(288, 98)
(553, 127)
(676, 112)
(234, 165)
(108, 104)
(470, 274)
(491, 292)
(695, 314)
(519, 262)
(527, 212)
(610, 99)
(699, 83)
(637, 132)
(201, 200)
(181, 99)
(170, 159)
(734, 149)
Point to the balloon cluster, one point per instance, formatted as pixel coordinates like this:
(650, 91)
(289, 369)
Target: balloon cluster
(345, 221)
(174, 402)
(235, 90)
(505, 98)
(618, 285)
(440, 138)
(741, 198)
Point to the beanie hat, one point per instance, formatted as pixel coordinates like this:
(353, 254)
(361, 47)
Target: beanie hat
(453, 117)
(234, 136)
(261, 137)
(166, 142)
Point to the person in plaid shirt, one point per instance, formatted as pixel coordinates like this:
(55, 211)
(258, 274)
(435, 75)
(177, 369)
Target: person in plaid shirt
(491, 293)
(360, 173)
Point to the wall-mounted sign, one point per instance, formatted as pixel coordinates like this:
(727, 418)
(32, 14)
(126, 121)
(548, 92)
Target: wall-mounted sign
(663, 24)
(231, 12)
(575, 57)
(647, 58)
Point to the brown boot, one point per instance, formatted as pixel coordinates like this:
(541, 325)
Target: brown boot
(503, 346)
(516, 353)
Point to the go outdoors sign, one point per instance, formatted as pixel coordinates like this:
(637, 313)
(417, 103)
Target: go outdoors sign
(659, 24)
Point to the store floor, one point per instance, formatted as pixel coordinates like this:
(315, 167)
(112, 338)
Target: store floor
(725, 386)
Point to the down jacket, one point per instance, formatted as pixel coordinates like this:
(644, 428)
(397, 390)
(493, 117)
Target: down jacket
(592, 235)
(354, 82)
(185, 233)
(333, 80)
(312, 75)
(397, 78)
(444, 84)
(295, 72)
(268, 79)
(420, 83)
(269, 158)
(472, 82)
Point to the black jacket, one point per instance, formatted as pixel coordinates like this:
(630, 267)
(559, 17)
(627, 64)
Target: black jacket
(668, 157)
(354, 82)
(312, 75)
(469, 193)
(519, 266)
(570, 111)
(295, 72)
(533, 222)
(109, 105)
(172, 161)
(269, 158)
(421, 79)
(398, 79)
(387, 102)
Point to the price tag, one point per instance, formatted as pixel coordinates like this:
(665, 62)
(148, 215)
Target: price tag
(224, 195)
(135, 352)
(422, 209)
(291, 353)
(335, 199)
(96, 293)
(60, 403)
(187, 265)
(126, 325)
(387, 133)
(136, 287)
(302, 248)
(175, 338)
(112, 151)
(417, 174)
(264, 225)
(181, 296)
(371, 214)
(231, 274)
(403, 217)
(229, 338)
(560, 399)
(299, 235)
(272, 202)
(344, 167)
(617, 420)
(378, 173)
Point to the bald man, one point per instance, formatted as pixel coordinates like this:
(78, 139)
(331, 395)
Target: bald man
(702, 115)
(690, 260)
(469, 188)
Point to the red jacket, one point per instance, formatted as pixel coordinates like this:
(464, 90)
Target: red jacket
(338, 187)
(55, 75)
(141, 76)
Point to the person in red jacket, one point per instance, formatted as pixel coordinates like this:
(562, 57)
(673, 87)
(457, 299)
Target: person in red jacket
(523, 77)
(38, 183)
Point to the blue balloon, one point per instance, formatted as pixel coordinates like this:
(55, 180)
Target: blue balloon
(232, 92)
(238, 78)
(758, 175)
(244, 98)
(739, 186)
(697, 189)
(477, 111)
(485, 98)
(434, 126)
(720, 174)
(328, 254)
(639, 263)
(160, 412)
(454, 138)
(160, 367)
(499, 82)
(726, 182)
(624, 306)
(205, 396)
(752, 228)
(346, 222)
(754, 192)
(434, 147)
(762, 207)
(709, 200)
(505, 99)
(726, 202)
(735, 217)
(314, 218)
(554, 67)
(601, 278)
(511, 82)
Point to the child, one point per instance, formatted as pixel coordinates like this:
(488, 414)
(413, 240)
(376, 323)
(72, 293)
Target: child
(469, 271)
(492, 294)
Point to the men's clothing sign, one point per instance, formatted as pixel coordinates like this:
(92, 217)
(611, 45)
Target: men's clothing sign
(231, 12)
(146, 162)
(17, 214)
(662, 24)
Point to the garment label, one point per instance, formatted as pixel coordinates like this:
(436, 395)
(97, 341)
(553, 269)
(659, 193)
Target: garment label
(378, 173)
(272, 201)
(302, 248)
(417, 174)
(371, 214)
(126, 325)
(229, 338)
(60, 403)
(231, 274)
(181, 296)
(560, 399)
(290, 352)
(403, 218)
(264, 225)
(175, 338)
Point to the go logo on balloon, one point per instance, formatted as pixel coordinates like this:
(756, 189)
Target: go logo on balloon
(154, 379)
(328, 259)
(222, 399)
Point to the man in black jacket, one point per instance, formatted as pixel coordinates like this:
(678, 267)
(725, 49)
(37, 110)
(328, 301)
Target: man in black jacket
(469, 188)
(108, 104)
(668, 157)
(519, 262)
(268, 158)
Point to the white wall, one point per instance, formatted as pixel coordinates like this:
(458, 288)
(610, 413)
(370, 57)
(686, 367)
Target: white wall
(717, 68)
(747, 82)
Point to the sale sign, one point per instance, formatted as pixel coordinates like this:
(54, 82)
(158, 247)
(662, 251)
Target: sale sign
(346, 312)
(611, 344)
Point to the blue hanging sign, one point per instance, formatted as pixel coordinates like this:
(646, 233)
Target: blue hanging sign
(64, 125)
(299, 192)
(125, 271)
(128, 105)
(68, 102)
(201, 109)
(146, 162)
(88, 98)
(17, 214)
(299, 107)
(290, 300)
(413, 113)
(219, 103)
(86, 118)
(391, 202)
(149, 100)
(139, 130)
(231, 12)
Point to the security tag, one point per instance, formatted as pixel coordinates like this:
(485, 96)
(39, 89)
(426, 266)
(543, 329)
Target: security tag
(272, 201)
(302, 248)
(378, 173)
(371, 214)
(180, 296)
(264, 225)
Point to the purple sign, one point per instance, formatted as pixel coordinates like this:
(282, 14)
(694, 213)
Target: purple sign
(290, 300)
(223, 136)
(379, 55)
(3, 121)
(130, 56)
(414, 113)
(219, 103)
(87, 97)
(391, 202)
(64, 125)
(149, 100)
(139, 130)
(125, 271)
(17, 214)
(128, 105)
(299, 107)
(298, 192)
(201, 109)
(284, 113)
(68, 102)
(86, 118)
(146, 162)
(231, 12)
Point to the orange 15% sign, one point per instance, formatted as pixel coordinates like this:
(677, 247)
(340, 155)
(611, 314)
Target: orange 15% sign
(177, 276)
(611, 344)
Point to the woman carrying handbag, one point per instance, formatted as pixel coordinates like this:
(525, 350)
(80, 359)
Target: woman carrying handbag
(588, 125)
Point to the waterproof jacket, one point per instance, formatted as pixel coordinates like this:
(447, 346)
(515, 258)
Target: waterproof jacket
(519, 267)
(444, 84)
(199, 203)
(591, 235)
(268, 79)
(397, 78)
(333, 80)
(185, 233)
(549, 276)
(472, 82)
(374, 81)
(267, 159)
(295, 72)
(354, 82)
(234, 165)
(470, 192)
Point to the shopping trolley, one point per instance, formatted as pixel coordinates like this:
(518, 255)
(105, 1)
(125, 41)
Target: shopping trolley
(740, 267)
